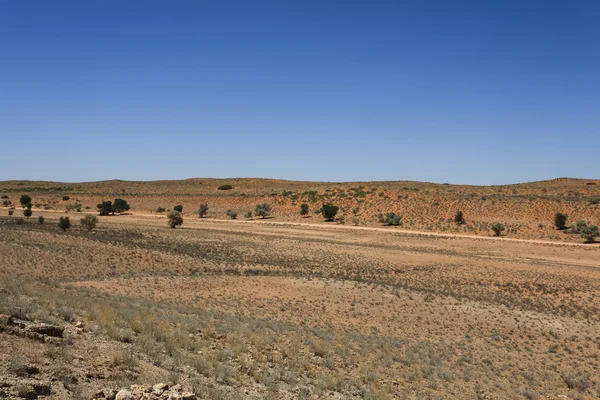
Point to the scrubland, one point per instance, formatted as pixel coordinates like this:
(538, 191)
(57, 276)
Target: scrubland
(248, 310)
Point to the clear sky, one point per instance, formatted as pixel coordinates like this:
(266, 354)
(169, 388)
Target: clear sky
(480, 92)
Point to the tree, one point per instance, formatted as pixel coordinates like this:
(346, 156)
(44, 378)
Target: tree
(578, 226)
(560, 220)
(119, 205)
(497, 228)
(89, 222)
(304, 209)
(392, 219)
(105, 207)
(264, 210)
(459, 218)
(589, 233)
(329, 211)
(203, 210)
(41, 220)
(25, 201)
(64, 223)
(232, 214)
(175, 219)
(178, 208)
(27, 212)
(249, 215)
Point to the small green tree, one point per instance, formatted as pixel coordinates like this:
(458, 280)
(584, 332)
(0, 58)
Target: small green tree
(41, 220)
(392, 219)
(120, 205)
(25, 201)
(89, 222)
(27, 211)
(459, 218)
(329, 211)
(560, 220)
(249, 215)
(304, 209)
(498, 228)
(263, 210)
(589, 233)
(232, 214)
(105, 207)
(175, 219)
(64, 223)
(178, 208)
(203, 210)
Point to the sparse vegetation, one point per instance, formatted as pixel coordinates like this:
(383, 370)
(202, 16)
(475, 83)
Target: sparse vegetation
(41, 220)
(589, 233)
(232, 214)
(304, 209)
(89, 222)
(225, 187)
(248, 215)
(459, 218)
(392, 219)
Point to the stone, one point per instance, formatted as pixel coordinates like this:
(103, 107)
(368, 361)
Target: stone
(123, 394)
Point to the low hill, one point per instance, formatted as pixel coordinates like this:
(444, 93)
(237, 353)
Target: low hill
(526, 209)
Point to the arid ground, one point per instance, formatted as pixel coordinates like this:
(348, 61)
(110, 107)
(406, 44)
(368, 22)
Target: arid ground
(236, 309)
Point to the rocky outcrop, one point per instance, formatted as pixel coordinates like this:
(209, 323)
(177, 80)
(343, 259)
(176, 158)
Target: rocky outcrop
(160, 391)
(42, 332)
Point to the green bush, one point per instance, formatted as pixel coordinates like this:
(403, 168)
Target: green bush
(560, 220)
(120, 205)
(497, 228)
(64, 223)
(27, 212)
(175, 219)
(25, 201)
(392, 219)
(304, 209)
(589, 233)
(160, 210)
(178, 208)
(225, 187)
(41, 220)
(329, 211)
(248, 215)
(578, 225)
(232, 214)
(263, 210)
(459, 218)
(65, 198)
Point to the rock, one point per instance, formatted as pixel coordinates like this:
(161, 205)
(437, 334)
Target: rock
(188, 396)
(159, 388)
(48, 330)
(123, 394)
(99, 394)
(176, 388)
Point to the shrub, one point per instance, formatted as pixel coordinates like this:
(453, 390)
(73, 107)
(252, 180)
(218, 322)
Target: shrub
(329, 211)
(120, 205)
(203, 210)
(560, 220)
(595, 200)
(25, 201)
(264, 210)
(392, 219)
(6, 203)
(65, 198)
(105, 207)
(304, 209)
(27, 212)
(497, 228)
(589, 233)
(4, 196)
(380, 218)
(160, 210)
(355, 211)
(11, 211)
(64, 223)
(178, 208)
(232, 214)
(459, 218)
(76, 207)
(41, 220)
(225, 187)
(89, 222)
(248, 215)
(577, 226)
(175, 219)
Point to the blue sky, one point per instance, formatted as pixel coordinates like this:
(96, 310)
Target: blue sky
(462, 92)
